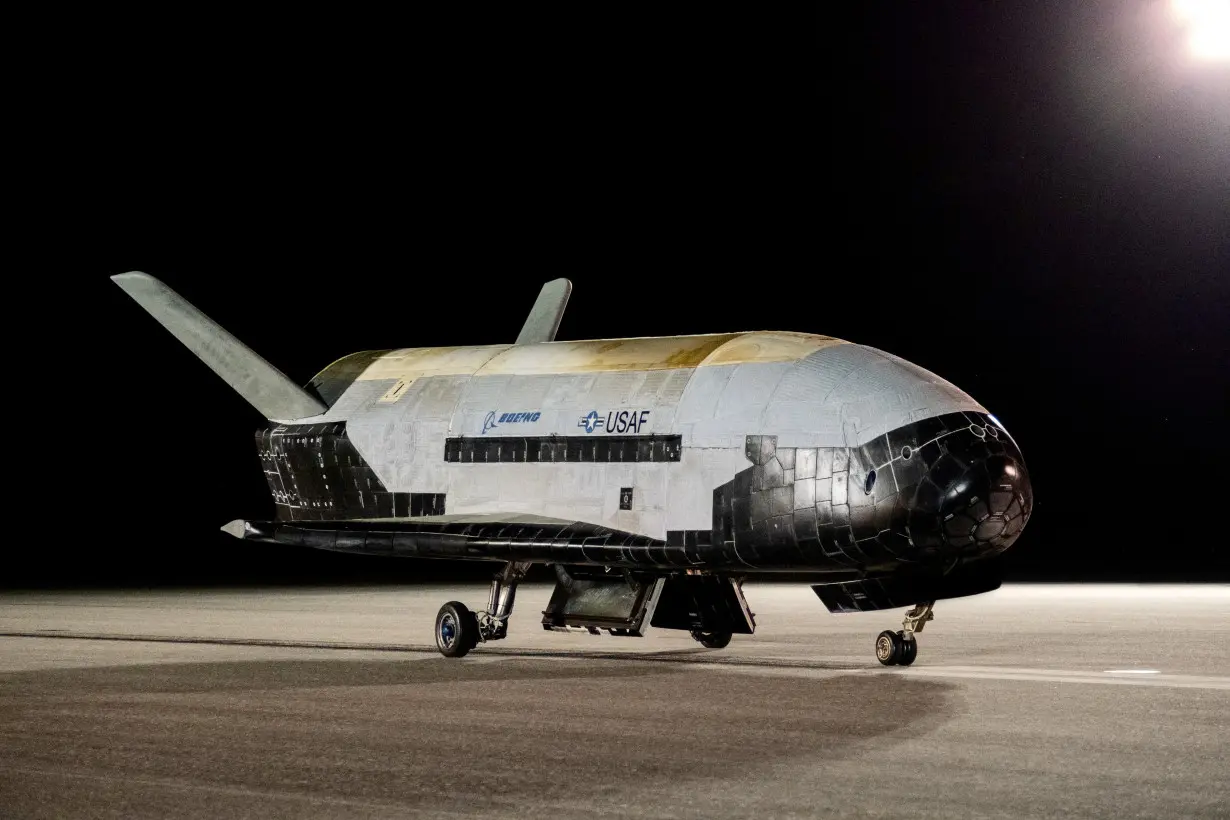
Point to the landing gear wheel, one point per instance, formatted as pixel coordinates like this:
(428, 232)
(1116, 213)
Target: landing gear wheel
(909, 649)
(456, 630)
(889, 648)
(712, 640)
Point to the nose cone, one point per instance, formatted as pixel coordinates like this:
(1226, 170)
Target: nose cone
(975, 496)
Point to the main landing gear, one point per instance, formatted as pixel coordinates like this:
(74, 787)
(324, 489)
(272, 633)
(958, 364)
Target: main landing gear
(900, 648)
(712, 640)
(458, 630)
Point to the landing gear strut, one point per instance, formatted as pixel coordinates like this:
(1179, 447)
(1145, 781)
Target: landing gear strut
(900, 648)
(458, 630)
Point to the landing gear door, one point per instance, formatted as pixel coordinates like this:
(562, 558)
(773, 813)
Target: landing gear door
(621, 605)
(704, 603)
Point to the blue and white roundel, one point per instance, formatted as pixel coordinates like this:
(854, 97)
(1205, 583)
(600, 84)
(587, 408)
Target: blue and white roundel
(615, 421)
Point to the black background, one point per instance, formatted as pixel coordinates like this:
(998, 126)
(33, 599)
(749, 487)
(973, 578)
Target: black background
(1028, 199)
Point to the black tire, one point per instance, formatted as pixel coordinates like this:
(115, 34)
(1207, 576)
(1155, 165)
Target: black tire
(909, 649)
(888, 648)
(712, 640)
(456, 630)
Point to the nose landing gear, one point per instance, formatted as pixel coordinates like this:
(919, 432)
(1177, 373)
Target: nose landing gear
(900, 648)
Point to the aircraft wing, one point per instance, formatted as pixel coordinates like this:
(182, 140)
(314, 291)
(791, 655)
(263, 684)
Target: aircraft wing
(476, 537)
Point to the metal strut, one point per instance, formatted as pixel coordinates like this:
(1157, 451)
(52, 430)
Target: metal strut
(917, 618)
(493, 624)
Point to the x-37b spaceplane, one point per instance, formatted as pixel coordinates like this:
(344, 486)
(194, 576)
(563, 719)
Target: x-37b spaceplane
(654, 475)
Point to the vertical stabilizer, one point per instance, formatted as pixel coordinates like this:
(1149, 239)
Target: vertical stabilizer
(264, 386)
(546, 314)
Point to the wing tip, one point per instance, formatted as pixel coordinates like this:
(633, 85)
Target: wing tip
(132, 276)
(237, 528)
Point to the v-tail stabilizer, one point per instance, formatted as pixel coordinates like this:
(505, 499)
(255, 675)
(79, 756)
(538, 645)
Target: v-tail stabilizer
(543, 322)
(263, 386)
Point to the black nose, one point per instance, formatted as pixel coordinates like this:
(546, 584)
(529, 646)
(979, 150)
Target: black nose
(975, 497)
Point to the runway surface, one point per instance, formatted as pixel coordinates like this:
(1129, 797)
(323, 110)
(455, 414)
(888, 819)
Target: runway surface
(1031, 701)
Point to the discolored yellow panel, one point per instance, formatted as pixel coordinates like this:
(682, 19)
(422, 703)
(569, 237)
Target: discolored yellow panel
(594, 355)
(411, 363)
(597, 355)
(769, 346)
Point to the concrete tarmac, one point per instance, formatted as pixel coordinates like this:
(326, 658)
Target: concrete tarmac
(1031, 701)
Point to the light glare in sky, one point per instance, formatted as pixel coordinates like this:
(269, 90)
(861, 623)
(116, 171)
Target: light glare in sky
(1208, 27)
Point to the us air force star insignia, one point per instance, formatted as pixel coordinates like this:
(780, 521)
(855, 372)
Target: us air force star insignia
(590, 422)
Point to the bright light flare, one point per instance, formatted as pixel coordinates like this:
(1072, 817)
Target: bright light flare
(1208, 27)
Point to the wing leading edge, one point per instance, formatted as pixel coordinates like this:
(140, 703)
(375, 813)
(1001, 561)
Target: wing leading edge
(527, 538)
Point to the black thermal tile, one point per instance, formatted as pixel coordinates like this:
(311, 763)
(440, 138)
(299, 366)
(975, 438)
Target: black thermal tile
(805, 464)
(761, 506)
(781, 501)
(876, 451)
(862, 521)
(774, 475)
(805, 524)
(804, 493)
(946, 471)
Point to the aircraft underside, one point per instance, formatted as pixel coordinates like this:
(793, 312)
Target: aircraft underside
(692, 587)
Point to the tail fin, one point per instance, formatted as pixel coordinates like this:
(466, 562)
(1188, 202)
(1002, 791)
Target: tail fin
(546, 314)
(264, 386)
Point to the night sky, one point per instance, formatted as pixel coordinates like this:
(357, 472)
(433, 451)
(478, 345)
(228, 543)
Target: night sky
(1031, 200)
